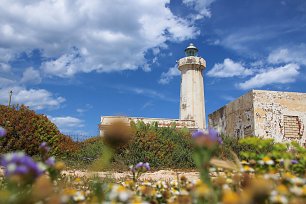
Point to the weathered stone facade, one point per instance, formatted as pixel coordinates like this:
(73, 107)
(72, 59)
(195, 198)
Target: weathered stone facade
(161, 122)
(269, 114)
(192, 90)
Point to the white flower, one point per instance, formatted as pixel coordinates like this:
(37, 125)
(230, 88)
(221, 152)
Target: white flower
(11, 168)
(297, 181)
(124, 196)
(78, 196)
(260, 162)
(296, 190)
(226, 187)
(270, 162)
(279, 199)
(41, 166)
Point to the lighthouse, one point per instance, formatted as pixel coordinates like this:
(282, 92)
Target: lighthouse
(192, 103)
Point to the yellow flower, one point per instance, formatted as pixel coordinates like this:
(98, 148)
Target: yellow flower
(69, 191)
(243, 162)
(248, 169)
(202, 190)
(282, 189)
(59, 165)
(304, 191)
(279, 199)
(230, 197)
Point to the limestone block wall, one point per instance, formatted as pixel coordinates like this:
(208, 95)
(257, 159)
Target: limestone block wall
(236, 118)
(268, 114)
(280, 115)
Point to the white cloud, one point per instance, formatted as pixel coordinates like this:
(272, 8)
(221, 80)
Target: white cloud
(30, 75)
(69, 125)
(4, 67)
(67, 122)
(279, 75)
(201, 6)
(83, 36)
(86, 108)
(229, 68)
(6, 82)
(245, 40)
(65, 66)
(34, 98)
(145, 92)
(295, 54)
(166, 77)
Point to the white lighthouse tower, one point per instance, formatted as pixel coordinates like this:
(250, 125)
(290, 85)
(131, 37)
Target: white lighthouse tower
(192, 103)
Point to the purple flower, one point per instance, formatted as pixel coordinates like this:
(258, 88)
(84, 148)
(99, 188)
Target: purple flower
(146, 166)
(18, 163)
(294, 161)
(2, 132)
(198, 133)
(206, 137)
(44, 147)
(50, 161)
(140, 167)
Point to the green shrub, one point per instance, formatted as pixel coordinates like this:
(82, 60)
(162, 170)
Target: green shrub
(160, 146)
(26, 130)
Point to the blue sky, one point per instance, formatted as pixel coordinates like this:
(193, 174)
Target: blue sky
(75, 61)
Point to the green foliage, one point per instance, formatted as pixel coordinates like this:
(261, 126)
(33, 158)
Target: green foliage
(26, 130)
(229, 145)
(85, 153)
(165, 147)
(254, 147)
(162, 147)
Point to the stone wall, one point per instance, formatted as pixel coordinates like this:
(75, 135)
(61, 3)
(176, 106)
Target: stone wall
(236, 118)
(280, 115)
(162, 122)
(268, 114)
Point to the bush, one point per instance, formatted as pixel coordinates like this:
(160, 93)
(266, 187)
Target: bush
(160, 146)
(26, 130)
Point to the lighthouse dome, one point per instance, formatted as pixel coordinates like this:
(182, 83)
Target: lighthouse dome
(191, 50)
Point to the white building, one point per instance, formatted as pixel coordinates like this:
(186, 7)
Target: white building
(192, 107)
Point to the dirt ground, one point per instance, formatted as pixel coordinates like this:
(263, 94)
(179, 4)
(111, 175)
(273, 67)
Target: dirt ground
(165, 175)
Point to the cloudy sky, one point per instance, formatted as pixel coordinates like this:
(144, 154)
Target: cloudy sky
(75, 60)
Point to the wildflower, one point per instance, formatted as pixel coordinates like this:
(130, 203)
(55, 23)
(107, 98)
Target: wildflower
(44, 148)
(2, 132)
(297, 191)
(20, 164)
(294, 161)
(140, 167)
(243, 162)
(78, 196)
(298, 181)
(59, 165)
(282, 189)
(206, 138)
(280, 199)
(230, 197)
(201, 189)
(50, 161)
(247, 169)
(268, 161)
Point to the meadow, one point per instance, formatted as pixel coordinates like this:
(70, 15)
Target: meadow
(35, 159)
